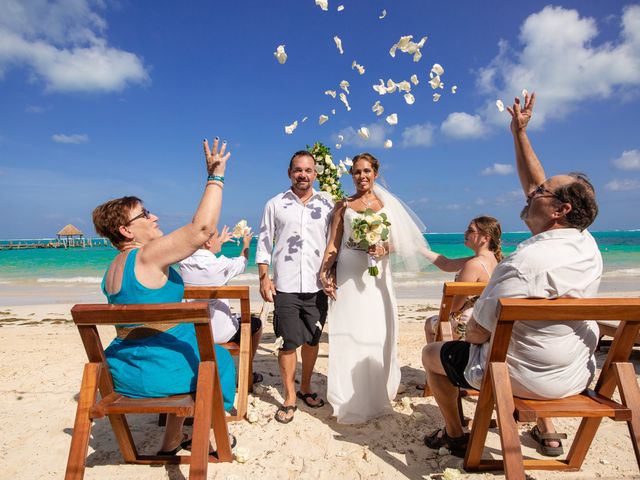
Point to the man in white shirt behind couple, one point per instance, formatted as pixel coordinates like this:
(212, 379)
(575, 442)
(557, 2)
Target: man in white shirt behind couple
(203, 268)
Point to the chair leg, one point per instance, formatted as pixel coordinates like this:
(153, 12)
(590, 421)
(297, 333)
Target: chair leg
(199, 461)
(630, 395)
(509, 437)
(479, 429)
(82, 424)
(219, 422)
(244, 367)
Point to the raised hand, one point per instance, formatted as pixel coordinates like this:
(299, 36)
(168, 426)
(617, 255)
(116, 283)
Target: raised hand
(225, 235)
(246, 238)
(216, 158)
(520, 116)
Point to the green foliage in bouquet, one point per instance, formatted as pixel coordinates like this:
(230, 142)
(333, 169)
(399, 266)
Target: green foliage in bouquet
(328, 173)
(368, 229)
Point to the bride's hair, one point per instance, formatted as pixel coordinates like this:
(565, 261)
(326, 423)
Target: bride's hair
(490, 227)
(375, 164)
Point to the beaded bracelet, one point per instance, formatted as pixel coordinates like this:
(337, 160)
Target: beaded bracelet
(215, 178)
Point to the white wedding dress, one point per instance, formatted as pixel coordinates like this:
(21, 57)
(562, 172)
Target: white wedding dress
(364, 374)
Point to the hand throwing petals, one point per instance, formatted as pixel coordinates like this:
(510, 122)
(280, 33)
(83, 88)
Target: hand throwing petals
(280, 54)
(290, 128)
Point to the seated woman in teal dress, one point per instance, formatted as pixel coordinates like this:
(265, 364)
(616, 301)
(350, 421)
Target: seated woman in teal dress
(159, 360)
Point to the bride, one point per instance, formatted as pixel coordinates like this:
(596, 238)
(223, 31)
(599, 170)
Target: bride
(364, 374)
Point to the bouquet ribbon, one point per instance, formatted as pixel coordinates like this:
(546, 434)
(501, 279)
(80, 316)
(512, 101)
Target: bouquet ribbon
(373, 266)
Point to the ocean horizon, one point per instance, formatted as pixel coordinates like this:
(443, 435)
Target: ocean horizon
(58, 275)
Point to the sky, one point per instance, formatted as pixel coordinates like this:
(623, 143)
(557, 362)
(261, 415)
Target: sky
(100, 99)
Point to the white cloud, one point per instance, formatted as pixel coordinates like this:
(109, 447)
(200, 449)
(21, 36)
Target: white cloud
(509, 198)
(75, 138)
(33, 109)
(463, 125)
(63, 44)
(561, 61)
(623, 185)
(420, 135)
(629, 160)
(377, 136)
(498, 169)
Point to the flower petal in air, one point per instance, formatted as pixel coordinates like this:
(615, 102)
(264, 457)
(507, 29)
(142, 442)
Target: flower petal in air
(348, 162)
(323, 4)
(404, 86)
(340, 138)
(392, 119)
(391, 86)
(435, 82)
(414, 79)
(338, 44)
(333, 110)
(280, 54)
(525, 92)
(358, 67)
(454, 89)
(409, 98)
(343, 99)
(436, 97)
(322, 119)
(331, 93)
(304, 119)
(344, 85)
(340, 8)
(363, 133)
(383, 14)
(338, 146)
(417, 56)
(290, 128)
(437, 69)
(377, 108)
(388, 143)
(500, 105)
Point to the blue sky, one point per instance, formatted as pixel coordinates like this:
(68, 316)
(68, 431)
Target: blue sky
(101, 99)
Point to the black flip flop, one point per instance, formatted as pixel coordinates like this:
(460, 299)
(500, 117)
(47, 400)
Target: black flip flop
(257, 377)
(285, 409)
(306, 396)
(186, 445)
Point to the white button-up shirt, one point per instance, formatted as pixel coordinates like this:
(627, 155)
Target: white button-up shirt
(545, 359)
(292, 239)
(204, 269)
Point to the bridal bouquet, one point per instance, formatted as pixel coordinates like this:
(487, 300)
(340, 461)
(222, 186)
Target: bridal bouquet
(328, 172)
(369, 229)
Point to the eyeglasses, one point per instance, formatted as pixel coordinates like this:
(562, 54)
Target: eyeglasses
(145, 214)
(541, 191)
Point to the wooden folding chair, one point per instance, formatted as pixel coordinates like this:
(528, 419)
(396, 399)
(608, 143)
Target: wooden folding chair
(443, 328)
(207, 408)
(590, 405)
(244, 352)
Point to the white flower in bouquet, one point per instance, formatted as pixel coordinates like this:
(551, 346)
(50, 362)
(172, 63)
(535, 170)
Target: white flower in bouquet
(370, 229)
(319, 169)
(241, 229)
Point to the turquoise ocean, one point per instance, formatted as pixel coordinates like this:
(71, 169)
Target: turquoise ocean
(42, 275)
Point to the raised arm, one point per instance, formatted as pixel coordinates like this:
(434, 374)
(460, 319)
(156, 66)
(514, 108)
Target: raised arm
(327, 270)
(179, 244)
(529, 167)
(445, 264)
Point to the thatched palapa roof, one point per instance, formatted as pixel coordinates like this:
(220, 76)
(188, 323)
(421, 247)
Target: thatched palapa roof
(69, 230)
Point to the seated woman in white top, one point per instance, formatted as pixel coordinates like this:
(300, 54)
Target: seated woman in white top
(203, 268)
(483, 237)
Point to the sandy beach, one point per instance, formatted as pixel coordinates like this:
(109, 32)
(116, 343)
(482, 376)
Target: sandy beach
(41, 366)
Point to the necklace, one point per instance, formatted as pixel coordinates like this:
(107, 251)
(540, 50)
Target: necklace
(368, 202)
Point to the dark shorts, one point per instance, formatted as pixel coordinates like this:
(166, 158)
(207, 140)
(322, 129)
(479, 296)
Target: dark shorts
(454, 357)
(299, 318)
(256, 324)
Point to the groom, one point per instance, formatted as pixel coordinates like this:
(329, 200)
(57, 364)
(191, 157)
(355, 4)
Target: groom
(293, 237)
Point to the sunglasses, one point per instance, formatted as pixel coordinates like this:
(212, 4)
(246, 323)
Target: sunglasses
(145, 214)
(541, 191)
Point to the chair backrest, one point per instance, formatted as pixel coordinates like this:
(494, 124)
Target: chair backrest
(229, 292)
(88, 316)
(449, 291)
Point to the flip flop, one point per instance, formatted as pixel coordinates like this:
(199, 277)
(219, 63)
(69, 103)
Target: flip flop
(284, 409)
(186, 445)
(314, 396)
(541, 438)
(257, 377)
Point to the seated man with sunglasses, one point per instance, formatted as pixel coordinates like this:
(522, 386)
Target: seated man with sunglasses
(546, 360)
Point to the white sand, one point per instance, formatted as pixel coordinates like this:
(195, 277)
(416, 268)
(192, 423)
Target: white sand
(42, 361)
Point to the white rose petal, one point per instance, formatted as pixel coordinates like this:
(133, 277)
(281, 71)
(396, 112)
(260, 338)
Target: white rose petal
(242, 453)
(304, 119)
(343, 99)
(404, 86)
(377, 108)
(288, 129)
(357, 66)
(363, 132)
(343, 169)
(381, 89)
(340, 138)
(454, 89)
(323, 4)
(331, 93)
(409, 98)
(406, 45)
(525, 92)
(500, 105)
(391, 86)
(417, 56)
(338, 146)
(252, 417)
(392, 119)
(348, 162)
(435, 82)
(322, 119)
(414, 79)
(437, 69)
(344, 85)
(280, 54)
(388, 143)
(340, 8)
(384, 14)
(338, 44)
(436, 97)
(333, 110)
(451, 474)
